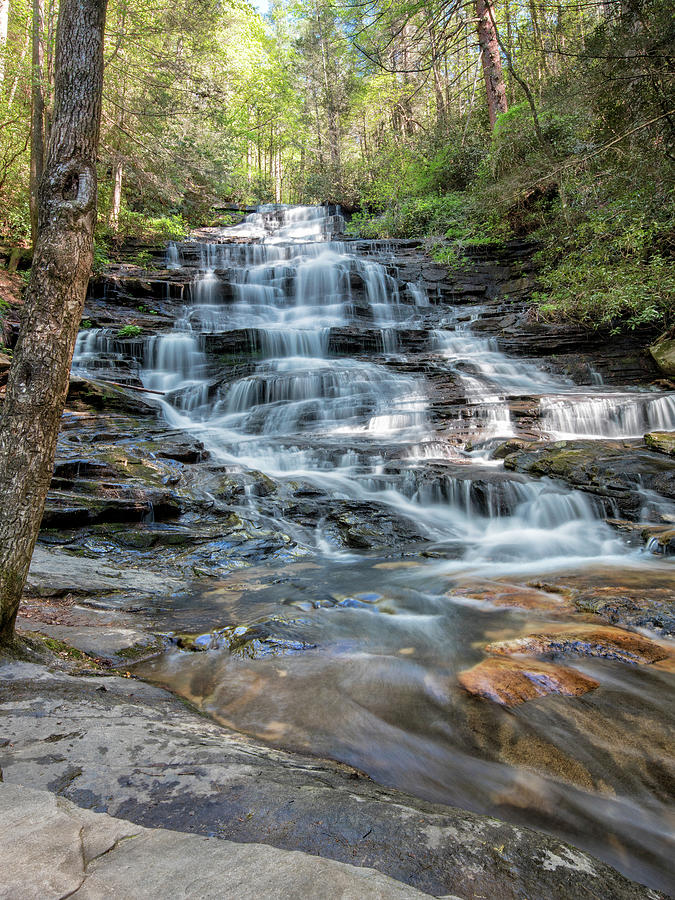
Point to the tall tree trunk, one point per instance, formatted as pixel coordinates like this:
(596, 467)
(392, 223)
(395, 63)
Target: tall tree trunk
(24, 51)
(492, 64)
(37, 132)
(4, 24)
(38, 378)
(118, 166)
(116, 199)
(509, 44)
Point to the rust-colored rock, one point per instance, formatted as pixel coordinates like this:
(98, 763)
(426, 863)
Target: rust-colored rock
(518, 596)
(586, 640)
(510, 681)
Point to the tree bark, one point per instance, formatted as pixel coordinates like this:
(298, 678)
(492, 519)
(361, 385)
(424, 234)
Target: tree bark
(38, 378)
(4, 24)
(37, 129)
(492, 64)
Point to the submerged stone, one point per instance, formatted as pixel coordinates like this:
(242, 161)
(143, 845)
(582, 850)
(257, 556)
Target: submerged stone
(586, 640)
(512, 595)
(511, 682)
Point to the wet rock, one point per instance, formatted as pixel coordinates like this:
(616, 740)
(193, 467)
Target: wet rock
(234, 486)
(660, 542)
(661, 441)
(663, 354)
(273, 637)
(511, 682)
(620, 596)
(172, 768)
(361, 526)
(230, 346)
(86, 394)
(67, 471)
(516, 596)
(183, 449)
(352, 340)
(510, 447)
(66, 509)
(56, 573)
(586, 640)
(127, 294)
(617, 470)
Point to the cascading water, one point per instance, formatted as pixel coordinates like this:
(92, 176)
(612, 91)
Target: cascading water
(288, 417)
(286, 288)
(618, 415)
(359, 435)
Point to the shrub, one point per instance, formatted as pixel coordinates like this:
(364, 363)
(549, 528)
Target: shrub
(129, 331)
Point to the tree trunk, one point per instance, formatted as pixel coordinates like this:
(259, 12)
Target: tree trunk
(492, 64)
(38, 378)
(37, 131)
(19, 67)
(116, 199)
(4, 23)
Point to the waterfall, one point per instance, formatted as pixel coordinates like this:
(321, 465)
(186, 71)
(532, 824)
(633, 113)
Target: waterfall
(282, 281)
(614, 416)
(291, 414)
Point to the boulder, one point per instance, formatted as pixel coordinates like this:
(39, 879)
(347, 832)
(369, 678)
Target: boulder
(51, 848)
(660, 541)
(663, 354)
(661, 441)
(616, 470)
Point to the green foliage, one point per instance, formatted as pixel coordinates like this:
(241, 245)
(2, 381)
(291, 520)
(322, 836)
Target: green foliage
(15, 222)
(86, 323)
(614, 268)
(149, 229)
(129, 331)
(453, 217)
(416, 217)
(142, 259)
(101, 258)
(450, 255)
(516, 145)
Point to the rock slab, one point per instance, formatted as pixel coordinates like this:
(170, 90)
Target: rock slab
(51, 849)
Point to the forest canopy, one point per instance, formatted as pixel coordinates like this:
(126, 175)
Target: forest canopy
(459, 122)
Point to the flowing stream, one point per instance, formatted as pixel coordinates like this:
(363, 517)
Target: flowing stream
(370, 636)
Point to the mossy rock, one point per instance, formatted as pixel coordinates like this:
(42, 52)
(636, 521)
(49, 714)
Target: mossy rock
(663, 354)
(661, 441)
(660, 541)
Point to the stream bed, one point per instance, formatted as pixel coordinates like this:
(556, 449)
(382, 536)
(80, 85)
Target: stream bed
(375, 439)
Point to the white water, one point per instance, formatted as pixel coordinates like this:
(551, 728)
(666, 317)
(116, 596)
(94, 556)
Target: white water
(613, 416)
(359, 429)
(292, 415)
